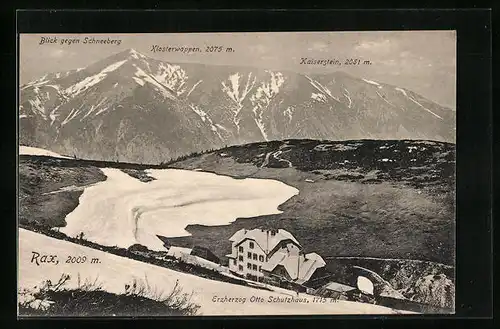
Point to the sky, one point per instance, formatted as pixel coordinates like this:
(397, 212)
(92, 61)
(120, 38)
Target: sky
(421, 61)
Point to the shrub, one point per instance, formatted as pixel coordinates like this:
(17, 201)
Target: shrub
(89, 299)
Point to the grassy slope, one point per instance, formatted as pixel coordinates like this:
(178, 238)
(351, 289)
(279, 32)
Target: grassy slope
(38, 177)
(89, 299)
(358, 205)
(99, 303)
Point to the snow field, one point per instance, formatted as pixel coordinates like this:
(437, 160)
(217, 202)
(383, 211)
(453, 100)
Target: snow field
(113, 272)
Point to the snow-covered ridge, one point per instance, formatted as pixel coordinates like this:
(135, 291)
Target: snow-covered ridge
(417, 103)
(372, 82)
(402, 91)
(135, 54)
(27, 150)
(424, 108)
(142, 77)
(92, 80)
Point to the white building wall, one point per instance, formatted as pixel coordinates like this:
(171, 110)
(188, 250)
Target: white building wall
(248, 259)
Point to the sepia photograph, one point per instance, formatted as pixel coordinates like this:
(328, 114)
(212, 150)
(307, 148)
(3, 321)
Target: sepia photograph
(237, 174)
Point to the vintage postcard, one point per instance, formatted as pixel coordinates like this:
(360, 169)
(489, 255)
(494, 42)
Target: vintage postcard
(237, 174)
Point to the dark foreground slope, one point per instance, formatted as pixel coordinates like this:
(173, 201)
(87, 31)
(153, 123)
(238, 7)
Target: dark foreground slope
(89, 299)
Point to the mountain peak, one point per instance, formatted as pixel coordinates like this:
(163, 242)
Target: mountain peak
(130, 52)
(134, 53)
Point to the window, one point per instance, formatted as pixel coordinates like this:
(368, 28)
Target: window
(251, 245)
(249, 255)
(254, 267)
(260, 268)
(261, 258)
(240, 268)
(240, 249)
(249, 266)
(240, 258)
(254, 256)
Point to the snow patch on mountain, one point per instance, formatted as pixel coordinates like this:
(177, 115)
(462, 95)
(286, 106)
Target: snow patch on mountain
(135, 54)
(201, 113)
(318, 97)
(402, 90)
(139, 81)
(346, 95)
(37, 106)
(322, 89)
(148, 78)
(263, 96)
(289, 112)
(93, 108)
(173, 77)
(192, 88)
(424, 108)
(222, 127)
(372, 82)
(88, 82)
(53, 116)
(72, 114)
(231, 87)
(205, 118)
(384, 98)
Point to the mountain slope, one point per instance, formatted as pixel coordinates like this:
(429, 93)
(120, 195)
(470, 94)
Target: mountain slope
(130, 107)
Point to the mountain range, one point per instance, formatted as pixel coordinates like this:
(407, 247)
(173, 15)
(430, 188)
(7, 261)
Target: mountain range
(130, 107)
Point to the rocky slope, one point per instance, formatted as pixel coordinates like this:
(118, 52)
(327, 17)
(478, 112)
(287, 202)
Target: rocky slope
(420, 281)
(130, 107)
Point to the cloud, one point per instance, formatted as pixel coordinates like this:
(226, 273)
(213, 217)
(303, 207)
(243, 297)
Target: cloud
(258, 49)
(390, 62)
(405, 54)
(376, 47)
(56, 53)
(318, 46)
(59, 53)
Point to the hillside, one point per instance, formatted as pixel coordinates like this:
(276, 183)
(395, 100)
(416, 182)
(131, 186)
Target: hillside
(115, 273)
(132, 108)
(384, 205)
(389, 199)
